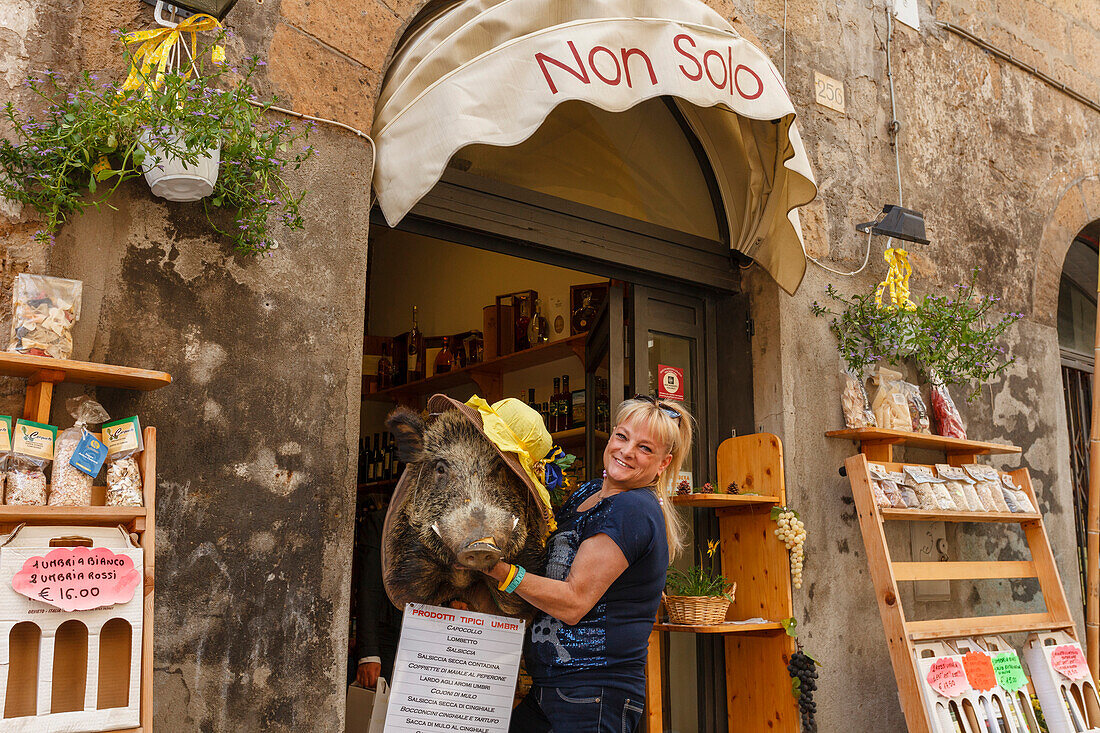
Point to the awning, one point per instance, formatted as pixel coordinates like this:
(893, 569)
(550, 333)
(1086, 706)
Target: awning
(490, 71)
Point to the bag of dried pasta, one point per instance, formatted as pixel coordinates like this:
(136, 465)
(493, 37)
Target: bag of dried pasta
(32, 450)
(949, 422)
(884, 490)
(1023, 501)
(918, 412)
(909, 499)
(124, 441)
(955, 475)
(5, 451)
(78, 455)
(954, 487)
(44, 310)
(930, 490)
(891, 404)
(988, 487)
(855, 403)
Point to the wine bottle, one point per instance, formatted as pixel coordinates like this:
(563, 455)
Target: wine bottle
(538, 330)
(387, 457)
(415, 351)
(584, 314)
(523, 320)
(444, 360)
(385, 368)
(368, 459)
(566, 409)
(361, 472)
(544, 410)
(555, 406)
(531, 399)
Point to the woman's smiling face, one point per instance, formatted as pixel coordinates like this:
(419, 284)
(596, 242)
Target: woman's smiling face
(633, 457)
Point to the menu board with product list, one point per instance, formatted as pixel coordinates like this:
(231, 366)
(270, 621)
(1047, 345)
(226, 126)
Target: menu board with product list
(455, 670)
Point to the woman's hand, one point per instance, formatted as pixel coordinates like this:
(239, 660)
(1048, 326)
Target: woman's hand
(598, 563)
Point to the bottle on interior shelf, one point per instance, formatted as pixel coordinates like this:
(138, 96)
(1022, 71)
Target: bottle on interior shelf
(555, 404)
(361, 472)
(544, 410)
(415, 349)
(538, 330)
(389, 461)
(584, 314)
(444, 360)
(565, 408)
(385, 368)
(531, 399)
(523, 320)
(577, 409)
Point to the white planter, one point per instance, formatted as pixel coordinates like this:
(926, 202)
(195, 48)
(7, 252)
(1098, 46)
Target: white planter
(173, 179)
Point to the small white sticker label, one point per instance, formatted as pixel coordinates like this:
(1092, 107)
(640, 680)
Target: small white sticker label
(906, 12)
(828, 92)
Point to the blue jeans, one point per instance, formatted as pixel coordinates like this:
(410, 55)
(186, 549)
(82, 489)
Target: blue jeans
(577, 710)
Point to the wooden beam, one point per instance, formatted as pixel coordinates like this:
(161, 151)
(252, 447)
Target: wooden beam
(654, 700)
(950, 628)
(915, 571)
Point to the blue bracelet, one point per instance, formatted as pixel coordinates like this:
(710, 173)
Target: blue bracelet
(520, 572)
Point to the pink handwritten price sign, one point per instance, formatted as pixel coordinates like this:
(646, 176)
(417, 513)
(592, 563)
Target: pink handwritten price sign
(78, 578)
(947, 677)
(1069, 661)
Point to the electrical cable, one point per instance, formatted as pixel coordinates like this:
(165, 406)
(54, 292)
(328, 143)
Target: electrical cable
(866, 259)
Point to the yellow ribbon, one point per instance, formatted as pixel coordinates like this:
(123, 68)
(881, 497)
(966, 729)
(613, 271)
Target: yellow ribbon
(897, 280)
(156, 47)
(523, 440)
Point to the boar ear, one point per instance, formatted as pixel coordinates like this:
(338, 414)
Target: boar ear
(408, 431)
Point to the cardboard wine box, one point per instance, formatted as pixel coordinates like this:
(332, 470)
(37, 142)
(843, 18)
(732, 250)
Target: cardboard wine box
(68, 671)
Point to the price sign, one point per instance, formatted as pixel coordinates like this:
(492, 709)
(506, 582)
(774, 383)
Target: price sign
(1069, 661)
(78, 578)
(828, 92)
(979, 671)
(1010, 674)
(455, 670)
(947, 677)
(670, 383)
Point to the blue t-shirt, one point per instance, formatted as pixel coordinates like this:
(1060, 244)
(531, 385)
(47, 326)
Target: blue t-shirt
(608, 646)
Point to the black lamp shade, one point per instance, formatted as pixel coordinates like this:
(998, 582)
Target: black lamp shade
(217, 8)
(899, 223)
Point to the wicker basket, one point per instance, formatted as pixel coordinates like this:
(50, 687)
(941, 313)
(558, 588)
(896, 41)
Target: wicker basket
(698, 610)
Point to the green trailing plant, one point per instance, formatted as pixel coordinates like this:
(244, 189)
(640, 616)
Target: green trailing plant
(90, 137)
(953, 339)
(699, 581)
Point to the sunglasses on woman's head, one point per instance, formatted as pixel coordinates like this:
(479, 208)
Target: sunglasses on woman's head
(663, 408)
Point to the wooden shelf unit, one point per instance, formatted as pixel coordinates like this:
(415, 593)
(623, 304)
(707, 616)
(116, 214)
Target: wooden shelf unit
(487, 375)
(901, 633)
(758, 687)
(42, 373)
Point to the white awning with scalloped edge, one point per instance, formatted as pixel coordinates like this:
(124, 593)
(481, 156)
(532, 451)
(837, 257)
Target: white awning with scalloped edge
(491, 71)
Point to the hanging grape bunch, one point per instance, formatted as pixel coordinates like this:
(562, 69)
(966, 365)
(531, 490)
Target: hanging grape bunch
(792, 533)
(803, 672)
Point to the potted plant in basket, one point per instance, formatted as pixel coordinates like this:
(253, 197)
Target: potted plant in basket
(193, 130)
(698, 596)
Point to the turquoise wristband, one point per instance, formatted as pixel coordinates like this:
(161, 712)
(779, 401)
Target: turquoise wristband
(520, 572)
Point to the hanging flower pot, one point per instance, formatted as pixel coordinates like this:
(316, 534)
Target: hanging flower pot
(175, 179)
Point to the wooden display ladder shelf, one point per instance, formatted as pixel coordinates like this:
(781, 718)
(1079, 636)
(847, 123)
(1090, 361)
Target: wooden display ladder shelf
(878, 444)
(886, 573)
(487, 375)
(758, 687)
(42, 373)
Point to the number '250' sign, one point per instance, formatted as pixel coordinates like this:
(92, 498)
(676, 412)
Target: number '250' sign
(78, 578)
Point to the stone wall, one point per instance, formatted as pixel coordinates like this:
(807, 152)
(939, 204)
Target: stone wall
(257, 434)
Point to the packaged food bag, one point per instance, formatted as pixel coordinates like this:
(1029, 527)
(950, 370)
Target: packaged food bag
(878, 486)
(949, 422)
(988, 487)
(908, 496)
(956, 478)
(5, 451)
(32, 450)
(78, 455)
(918, 412)
(44, 310)
(1023, 501)
(930, 490)
(124, 441)
(891, 404)
(855, 403)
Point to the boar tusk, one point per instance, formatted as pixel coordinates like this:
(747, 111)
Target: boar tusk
(515, 521)
(435, 528)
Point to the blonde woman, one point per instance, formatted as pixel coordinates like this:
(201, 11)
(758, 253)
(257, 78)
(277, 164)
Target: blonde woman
(604, 576)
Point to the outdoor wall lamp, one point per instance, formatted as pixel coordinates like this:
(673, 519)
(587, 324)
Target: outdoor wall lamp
(897, 222)
(216, 8)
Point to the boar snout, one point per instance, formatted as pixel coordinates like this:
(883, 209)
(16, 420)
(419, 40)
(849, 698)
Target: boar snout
(479, 553)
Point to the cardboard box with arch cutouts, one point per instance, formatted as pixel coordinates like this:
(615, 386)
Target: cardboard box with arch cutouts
(67, 671)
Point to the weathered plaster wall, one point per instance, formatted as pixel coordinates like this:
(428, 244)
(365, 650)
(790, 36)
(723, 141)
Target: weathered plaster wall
(257, 434)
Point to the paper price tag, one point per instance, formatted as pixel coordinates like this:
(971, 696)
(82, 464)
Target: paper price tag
(5, 433)
(979, 671)
(1069, 661)
(947, 677)
(34, 439)
(1010, 674)
(78, 578)
(89, 455)
(123, 435)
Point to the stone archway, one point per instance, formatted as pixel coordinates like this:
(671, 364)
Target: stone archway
(1078, 206)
